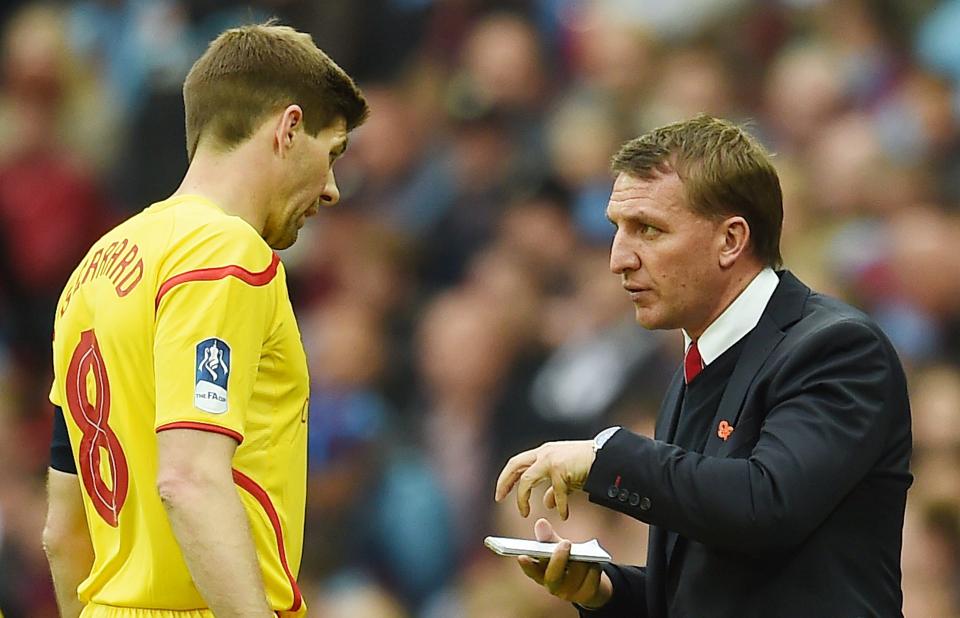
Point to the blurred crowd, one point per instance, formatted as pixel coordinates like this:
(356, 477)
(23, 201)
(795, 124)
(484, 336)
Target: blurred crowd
(457, 305)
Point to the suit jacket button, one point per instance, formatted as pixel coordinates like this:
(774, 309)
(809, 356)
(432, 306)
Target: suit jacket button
(634, 499)
(612, 491)
(624, 494)
(644, 503)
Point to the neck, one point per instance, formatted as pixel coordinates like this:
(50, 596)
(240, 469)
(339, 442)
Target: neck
(737, 284)
(232, 180)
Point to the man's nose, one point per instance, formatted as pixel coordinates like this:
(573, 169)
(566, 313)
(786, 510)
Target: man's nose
(622, 257)
(331, 193)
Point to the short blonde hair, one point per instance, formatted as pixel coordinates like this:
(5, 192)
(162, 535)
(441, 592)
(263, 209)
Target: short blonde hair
(252, 71)
(724, 172)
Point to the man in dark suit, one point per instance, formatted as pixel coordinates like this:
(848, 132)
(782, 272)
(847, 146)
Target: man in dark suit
(776, 483)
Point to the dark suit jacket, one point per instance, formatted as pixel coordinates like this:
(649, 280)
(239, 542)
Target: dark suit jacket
(799, 511)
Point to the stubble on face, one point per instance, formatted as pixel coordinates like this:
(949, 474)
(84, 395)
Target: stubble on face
(281, 228)
(311, 172)
(290, 234)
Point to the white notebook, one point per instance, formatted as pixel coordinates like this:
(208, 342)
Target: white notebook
(579, 552)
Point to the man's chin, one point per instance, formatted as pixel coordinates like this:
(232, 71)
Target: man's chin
(649, 320)
(285, 242)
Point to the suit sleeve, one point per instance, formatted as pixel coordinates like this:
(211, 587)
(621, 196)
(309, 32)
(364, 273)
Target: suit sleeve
(829, 414)
(629, 594)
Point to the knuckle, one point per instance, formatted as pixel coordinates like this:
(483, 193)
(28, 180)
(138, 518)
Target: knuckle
(529, 476)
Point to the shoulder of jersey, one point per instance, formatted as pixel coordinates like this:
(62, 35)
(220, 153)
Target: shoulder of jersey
(220, 238)
(189, 216)
(222, 248)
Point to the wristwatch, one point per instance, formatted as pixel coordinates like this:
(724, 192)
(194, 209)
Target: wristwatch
(601, 438)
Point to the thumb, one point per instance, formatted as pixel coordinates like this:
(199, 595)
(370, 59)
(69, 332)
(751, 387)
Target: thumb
(545, 532)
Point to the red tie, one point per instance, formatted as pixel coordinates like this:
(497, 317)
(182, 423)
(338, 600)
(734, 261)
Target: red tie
(692, 363)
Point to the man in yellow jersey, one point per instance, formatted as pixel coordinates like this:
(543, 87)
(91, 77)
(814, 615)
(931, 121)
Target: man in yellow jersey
(179, 376)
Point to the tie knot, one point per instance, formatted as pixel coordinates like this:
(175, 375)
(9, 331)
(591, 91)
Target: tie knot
(692, 363)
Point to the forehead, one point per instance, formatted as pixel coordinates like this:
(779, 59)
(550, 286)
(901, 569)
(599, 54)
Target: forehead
(661, 196)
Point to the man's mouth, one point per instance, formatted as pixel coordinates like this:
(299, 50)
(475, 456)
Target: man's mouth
(309, 212)
(636, 292)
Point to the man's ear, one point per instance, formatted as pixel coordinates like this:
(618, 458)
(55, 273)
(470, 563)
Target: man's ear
(291, 121)
(735, 238)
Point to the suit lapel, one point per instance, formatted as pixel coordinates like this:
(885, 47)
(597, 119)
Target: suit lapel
(660, 538)
(785, 308)
(670, 409)
(763, 339)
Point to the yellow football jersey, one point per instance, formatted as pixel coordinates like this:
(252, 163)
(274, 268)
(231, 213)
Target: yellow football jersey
(180, 318)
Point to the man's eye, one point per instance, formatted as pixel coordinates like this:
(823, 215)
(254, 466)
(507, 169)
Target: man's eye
(648, 230)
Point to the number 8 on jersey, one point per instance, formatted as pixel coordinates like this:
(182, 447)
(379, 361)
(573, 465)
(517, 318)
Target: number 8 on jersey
(92, 418)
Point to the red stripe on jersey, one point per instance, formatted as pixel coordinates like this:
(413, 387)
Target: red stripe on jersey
(202, 427)
(212, 274)
(260, 494)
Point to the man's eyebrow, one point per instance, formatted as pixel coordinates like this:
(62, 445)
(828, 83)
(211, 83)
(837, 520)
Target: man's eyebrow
(640, 214)
(341, 148)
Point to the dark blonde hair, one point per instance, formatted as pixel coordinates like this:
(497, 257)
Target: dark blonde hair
(252, 71)
(724, 172)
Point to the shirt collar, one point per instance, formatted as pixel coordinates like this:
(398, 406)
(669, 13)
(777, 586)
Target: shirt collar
(738, 319)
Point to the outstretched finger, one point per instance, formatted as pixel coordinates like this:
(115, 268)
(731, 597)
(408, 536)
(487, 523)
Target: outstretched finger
(560, 493)
(544, 532)
(512, 471)
(549, 499)
(531, 477)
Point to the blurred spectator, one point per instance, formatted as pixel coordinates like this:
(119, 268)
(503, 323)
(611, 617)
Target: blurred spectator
(464, 358)
(503, 65)
(386, 531)
(48, 95)
(609, 54)
(582, 132)
(803, 91)
(42, 180)
(692, 80)
(936, 407)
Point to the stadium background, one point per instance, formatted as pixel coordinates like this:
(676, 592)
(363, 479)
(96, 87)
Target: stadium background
(456, 307)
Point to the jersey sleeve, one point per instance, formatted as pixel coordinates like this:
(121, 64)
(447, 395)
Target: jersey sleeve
(54, 395)
(215, 306)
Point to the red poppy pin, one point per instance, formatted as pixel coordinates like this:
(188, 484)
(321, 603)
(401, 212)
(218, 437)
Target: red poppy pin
(724, 430)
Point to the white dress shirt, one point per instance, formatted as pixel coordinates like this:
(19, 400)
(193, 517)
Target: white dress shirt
(738, 319)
